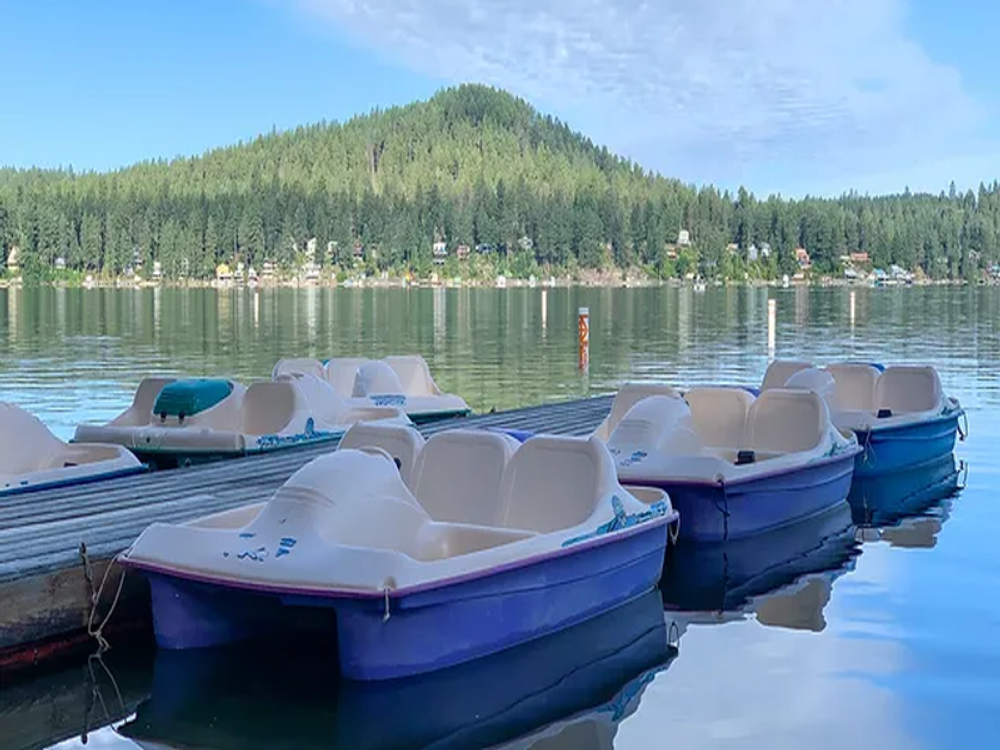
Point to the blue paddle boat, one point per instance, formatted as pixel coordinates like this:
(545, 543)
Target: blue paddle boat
(900, 413)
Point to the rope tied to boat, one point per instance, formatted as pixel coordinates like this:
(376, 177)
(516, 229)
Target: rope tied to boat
(96, 594)
(868, 455)
(386, 615)
(674, 531)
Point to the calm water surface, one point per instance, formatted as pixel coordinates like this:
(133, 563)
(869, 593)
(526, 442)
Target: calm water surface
(873, 638)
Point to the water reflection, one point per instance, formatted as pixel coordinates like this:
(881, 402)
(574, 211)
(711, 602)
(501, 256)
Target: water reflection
(568, 690)
(907, 509)
(783, 575)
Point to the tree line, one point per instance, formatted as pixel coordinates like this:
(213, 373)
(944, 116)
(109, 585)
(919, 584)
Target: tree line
(472, 166)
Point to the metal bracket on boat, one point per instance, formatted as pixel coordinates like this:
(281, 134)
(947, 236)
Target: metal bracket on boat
(963, 433)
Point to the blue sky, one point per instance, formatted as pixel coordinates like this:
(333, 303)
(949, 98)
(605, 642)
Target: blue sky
(789, 96)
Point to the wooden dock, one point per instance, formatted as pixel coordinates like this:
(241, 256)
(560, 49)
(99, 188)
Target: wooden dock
(45, 589)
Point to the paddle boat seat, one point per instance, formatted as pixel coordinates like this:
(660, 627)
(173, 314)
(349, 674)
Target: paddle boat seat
(855, 385)
(785, 421)
(199, 402)
(31, 457)
(780, 370)
(458, 475)
(627, 397)
(414, 375)
(341, 372)
(908, 389)
(720, 415)
(139, 411)
(403, 443)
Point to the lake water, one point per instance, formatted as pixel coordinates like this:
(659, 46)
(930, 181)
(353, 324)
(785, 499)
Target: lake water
(874, 638)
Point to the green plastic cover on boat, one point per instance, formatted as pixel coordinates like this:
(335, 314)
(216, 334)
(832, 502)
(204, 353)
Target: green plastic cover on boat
(191, 396)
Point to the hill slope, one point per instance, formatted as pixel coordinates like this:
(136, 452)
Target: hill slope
(470, 166)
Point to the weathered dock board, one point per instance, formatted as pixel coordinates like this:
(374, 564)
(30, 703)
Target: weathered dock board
(45, 595)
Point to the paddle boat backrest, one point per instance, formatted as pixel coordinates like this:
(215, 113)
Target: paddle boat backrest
(324, 403)
(341, 373)
(402, 442)
(376, 377)
(628, 396)
(855, 385)
(659, 424)
(298, 364)
(141, 410)
(780, 370)
(787, 421)
(459, 475)
(348, 497)
(414, 374)
(819, 381)
(554, 483)
(904, 389)
(271, 405)
(720, 415)
(25, 443)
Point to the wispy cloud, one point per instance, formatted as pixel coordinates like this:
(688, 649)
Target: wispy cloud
(704, 89)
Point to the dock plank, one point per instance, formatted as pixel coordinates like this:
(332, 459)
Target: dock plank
(42, 587)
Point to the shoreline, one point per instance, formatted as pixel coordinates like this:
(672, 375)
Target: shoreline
(402, 283)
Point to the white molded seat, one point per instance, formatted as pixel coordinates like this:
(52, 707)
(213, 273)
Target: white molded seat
(906, 389)
(341, 373)
(294, 365)
(459, 474)
(555, 482)
(720, 415)
(413, 374)
(855, 385)
(141, 410)
(25, 443)
(402, 442)
(780, 370)
(270, 405)
(628, 396)
(787, 421)
(376, 377)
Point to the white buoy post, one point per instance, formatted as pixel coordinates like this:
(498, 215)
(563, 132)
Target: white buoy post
(853, 297)
(772, 316)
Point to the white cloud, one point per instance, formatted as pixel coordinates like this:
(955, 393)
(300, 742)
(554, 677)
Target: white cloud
(719, 90)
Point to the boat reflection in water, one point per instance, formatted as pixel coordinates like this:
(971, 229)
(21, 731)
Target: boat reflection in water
(571, 689)
(784, 576)
(907, 508)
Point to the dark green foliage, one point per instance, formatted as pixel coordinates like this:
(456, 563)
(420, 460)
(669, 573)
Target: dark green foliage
(472, 166)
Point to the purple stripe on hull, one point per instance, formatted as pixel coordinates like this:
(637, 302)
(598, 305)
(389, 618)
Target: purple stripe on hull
(426, 630)
(712, 513)
(891, 450)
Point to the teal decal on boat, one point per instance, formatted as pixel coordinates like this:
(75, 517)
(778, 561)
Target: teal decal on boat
(622, 520)
(185, 398)
(309, 434)
(388, 399)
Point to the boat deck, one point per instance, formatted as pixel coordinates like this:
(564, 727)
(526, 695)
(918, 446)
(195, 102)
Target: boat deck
(44, 585)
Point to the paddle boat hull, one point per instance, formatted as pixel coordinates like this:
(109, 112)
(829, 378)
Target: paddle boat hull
(716, 512)
(594, 672)
(890, 449)
(887, 498)
(383, 638)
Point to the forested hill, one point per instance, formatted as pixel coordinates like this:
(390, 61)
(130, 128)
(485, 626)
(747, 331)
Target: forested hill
(472, 166)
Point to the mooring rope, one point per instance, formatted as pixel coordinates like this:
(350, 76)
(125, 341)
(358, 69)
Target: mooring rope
(95, 597)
